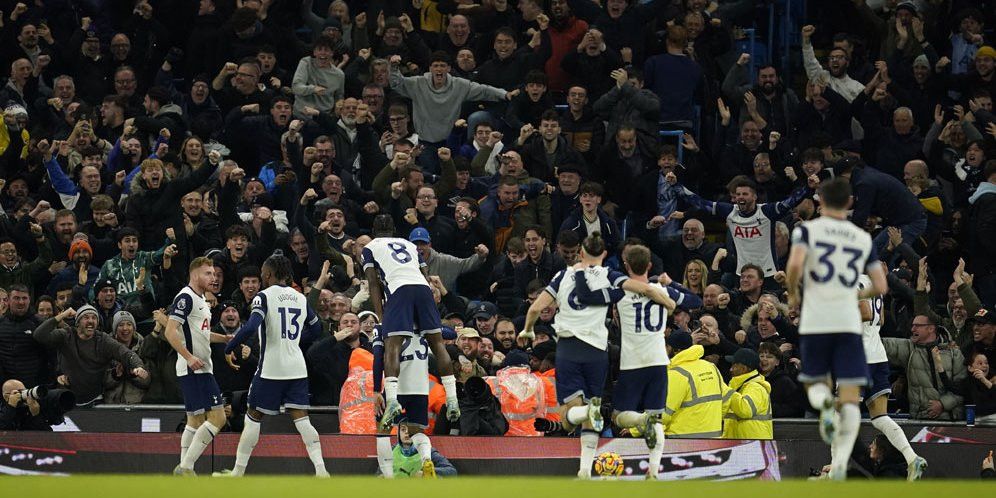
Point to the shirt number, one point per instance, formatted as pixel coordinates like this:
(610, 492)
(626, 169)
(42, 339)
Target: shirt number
(399, 252)
(421, 352)
(829, 270)
(645, 317)
(286, 325)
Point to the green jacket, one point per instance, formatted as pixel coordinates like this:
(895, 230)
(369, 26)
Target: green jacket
(24, 273)
(125, 274)
(749, 415)
(923, 383)
(962, 335)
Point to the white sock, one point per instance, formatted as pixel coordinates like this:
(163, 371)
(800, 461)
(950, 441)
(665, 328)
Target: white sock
(202, 438)
(449, 385)
(630, 419)
(657, 451)
(577, 414)
(589, 445)
(818, 395)
(185, 438)
(247, 442)
(422, 444)
(843, 443)
(312, 443)
(385, 456)
(390, 388)
(896, 436)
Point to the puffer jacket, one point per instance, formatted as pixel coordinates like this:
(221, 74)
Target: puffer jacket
(749, 415)
(697, 397)
(922, 380)
(125, 389)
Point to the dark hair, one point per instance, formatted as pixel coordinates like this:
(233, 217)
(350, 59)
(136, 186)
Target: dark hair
(243, 18)
(812, 154)
(507, 31)
(125, 232)
(634, 73)
(281, 98)
(990, 169)
(536, 228)
(90, 151)
(472, 204)
(280, 266)
(237, 231)
(742, 181)
(594, 244)
(19, 288)
(550, 115)
(159, 94)
(568, 238)
(537, 77)
(266, 48)
(638, 258)
(752, 266)
(440, 56)
(534, 285)
(248, 271)
(508, 180)
(324, 41)
(835, 193)
(484, 122)
(770, 348)
(668, 150)
(592, 188)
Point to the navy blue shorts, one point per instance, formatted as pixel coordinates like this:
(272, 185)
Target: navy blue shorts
(641, 389)
(411, 308)
(267, 395)
(581, 370)
(878, 374)
(839, 355)
(200, 393)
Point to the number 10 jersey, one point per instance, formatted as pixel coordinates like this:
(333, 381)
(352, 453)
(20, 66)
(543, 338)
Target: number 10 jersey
(837, 254)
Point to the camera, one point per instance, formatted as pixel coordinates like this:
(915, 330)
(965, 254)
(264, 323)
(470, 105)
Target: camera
(36, 393)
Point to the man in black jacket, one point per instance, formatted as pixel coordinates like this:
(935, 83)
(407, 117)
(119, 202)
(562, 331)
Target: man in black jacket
(19, 412)
(982, 235)
(328, 360)
(20, 356)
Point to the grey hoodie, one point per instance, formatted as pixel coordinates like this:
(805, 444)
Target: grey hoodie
(435, 110)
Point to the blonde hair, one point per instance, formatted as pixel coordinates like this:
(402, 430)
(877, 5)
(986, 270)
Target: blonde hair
(699, 289)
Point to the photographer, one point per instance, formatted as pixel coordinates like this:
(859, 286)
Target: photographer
(19, 412)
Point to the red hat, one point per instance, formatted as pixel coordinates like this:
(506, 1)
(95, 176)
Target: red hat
(77, 246)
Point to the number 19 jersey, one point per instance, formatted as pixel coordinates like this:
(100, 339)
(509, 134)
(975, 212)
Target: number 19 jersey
(838, 253)
(396, 261)
(285, 315)
(642, 323)
(874, 349)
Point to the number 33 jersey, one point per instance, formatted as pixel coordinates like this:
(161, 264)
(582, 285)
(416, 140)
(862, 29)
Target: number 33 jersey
(285, 316)
(837, 254)
(396, 261)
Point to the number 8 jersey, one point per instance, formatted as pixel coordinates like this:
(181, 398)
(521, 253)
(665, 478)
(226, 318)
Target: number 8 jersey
(285, 316)
(397, 262)
(837, 254)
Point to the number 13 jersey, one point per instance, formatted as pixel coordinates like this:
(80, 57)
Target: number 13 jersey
(837, 254)
(397, 262)
(285, 316)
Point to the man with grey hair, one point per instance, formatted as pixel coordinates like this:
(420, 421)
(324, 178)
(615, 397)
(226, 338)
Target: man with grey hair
(894, 146)
(85, 353)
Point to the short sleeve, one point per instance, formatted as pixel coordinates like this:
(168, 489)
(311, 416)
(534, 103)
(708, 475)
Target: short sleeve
(181, 307)
(259, 305)
(800, 235)
(617, 278)
(678, 296)
(312, 317)
(554, 285)
(366, 258)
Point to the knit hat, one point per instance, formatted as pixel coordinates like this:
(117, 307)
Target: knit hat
(515, 358)
(921, 60)
(77, 246)
(86, 308)
(103, 284)
(333, 22)
(121, 316)
(986, 51)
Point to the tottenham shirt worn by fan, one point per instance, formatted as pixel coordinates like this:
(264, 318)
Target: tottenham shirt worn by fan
(194, 316)
(838, 253)
(413, 373)
(642, 322)
(874, 349)
(397, 262)
(574, 319)
(286, 316)
(753, 234)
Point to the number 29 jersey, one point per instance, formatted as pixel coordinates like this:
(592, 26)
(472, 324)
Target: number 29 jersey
(396, 261)
(838, 253)
(285, 316)
(641, 323)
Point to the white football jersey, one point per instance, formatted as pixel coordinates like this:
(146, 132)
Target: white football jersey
(286, 316)
(413, 372)
(642, 323)
(874, 349)
(397, 262)
(574, 319)
(194, 316)
(838, 253)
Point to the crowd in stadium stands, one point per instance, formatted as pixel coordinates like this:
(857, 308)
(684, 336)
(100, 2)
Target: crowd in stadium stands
(138, 135)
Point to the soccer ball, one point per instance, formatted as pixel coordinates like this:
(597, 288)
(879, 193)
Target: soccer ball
(609, 464)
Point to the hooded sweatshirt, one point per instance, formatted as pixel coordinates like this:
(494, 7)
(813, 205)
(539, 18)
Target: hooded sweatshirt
(436, 109)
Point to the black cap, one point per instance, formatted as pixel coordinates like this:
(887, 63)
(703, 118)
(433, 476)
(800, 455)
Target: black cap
(485, 310)
(910, 6)
(745, 357)
(985, 315)
(103, 284)
(543, 349)
(515, 358)
(679, 340)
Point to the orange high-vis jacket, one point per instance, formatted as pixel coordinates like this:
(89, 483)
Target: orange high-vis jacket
(550, 376)
(357, 410)
(522, 395)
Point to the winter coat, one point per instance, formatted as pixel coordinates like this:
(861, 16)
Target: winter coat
(961, 335)
(922, 380)
(21, 357)
(749, 415)
(697, 397)
(160, 360)
(126, 388)
(25, 273)
(787, 397)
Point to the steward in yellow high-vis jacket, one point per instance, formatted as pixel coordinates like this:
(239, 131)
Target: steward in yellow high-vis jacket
(697, 397)
(749, 413)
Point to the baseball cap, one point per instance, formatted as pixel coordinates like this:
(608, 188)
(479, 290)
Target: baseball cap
(485, 310)
(985, 315)
(745, 357)
(679, 340)
(910, 6)
(448, 333)
(468, 332)
(420, 235)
